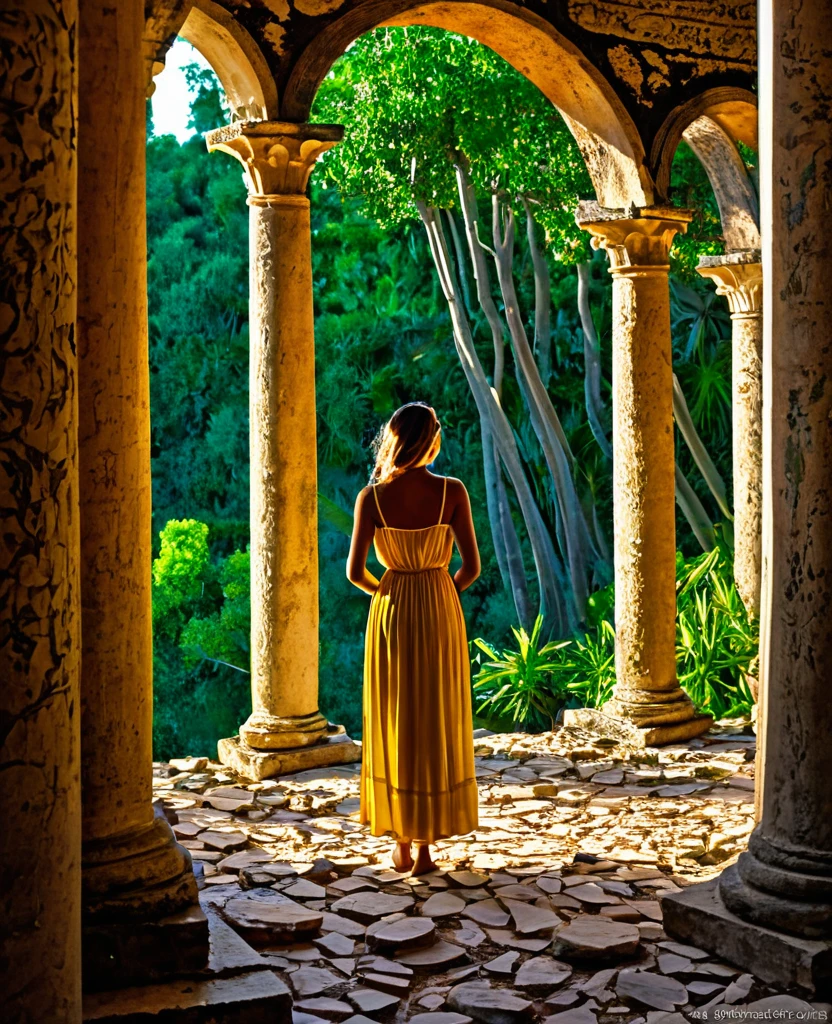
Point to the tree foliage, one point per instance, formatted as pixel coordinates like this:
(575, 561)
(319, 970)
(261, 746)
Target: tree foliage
(413, 100)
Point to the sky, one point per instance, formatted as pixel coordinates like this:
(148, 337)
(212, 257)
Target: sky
(171, 100)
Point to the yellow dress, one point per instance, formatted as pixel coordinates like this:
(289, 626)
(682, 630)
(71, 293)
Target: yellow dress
(417, 772)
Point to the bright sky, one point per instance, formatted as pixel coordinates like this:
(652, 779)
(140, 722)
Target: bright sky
(171, 100)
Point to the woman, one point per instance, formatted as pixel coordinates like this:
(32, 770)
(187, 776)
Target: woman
(417, 774)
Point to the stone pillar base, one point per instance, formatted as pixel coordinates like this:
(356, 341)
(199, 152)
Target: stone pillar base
(117, 954)
(597, 721)
(139, 875)
(335, 748)
(698, 915)
(263, 731)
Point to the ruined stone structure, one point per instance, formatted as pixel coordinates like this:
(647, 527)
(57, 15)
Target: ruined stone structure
(84, 851)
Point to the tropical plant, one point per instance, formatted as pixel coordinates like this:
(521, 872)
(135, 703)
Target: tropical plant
(591, 666)
(716, 645)
(517, 684)
(716, 650)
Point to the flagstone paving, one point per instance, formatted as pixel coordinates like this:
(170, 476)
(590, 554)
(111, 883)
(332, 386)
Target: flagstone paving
(550, 911)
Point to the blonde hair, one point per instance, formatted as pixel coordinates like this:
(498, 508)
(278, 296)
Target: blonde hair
(404, 441)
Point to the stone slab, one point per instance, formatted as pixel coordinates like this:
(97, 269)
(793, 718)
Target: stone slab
(594, 720)
(118, 954)
(266, 764)
(697, 914)
(258, 997)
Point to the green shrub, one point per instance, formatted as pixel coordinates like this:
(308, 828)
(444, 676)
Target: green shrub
(200, 651)
(716, 645)
(519, 684)
(716, 652)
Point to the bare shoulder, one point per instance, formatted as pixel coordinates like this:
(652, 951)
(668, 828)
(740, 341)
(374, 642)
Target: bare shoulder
(456, 490)
(364, 498)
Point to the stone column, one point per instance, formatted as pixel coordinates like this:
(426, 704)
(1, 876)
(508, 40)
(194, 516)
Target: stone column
(739, 277)
(285, 730)
(40, 623)
(132, 866)
(772, 911)
(648, 706)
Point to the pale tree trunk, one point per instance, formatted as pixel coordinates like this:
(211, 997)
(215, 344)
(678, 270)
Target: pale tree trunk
(514, 555)
(592, 362)
(542, 300)
(694, 511)
(503, 531)
(703, 461)
(491, 466)
(459, 252)
(552, 608)
(543, 416)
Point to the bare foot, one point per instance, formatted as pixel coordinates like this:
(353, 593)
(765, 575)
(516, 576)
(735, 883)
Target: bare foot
(424, 864)
(402, 857)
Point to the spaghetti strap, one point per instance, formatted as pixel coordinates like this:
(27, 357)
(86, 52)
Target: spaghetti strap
(383, 520)
(442, 510)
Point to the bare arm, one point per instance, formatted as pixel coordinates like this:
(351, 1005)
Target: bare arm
(462, 525)
(362, 537)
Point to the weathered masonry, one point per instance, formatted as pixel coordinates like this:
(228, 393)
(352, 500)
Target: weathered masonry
(89, 874)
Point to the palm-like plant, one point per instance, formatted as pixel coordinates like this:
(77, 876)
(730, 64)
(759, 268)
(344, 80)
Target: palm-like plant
(592, 668)
(716, 645)
(518, 684)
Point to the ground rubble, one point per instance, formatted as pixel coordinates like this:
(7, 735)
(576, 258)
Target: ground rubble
(550, 911)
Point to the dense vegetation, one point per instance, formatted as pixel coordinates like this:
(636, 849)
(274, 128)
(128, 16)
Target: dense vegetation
(445, 114)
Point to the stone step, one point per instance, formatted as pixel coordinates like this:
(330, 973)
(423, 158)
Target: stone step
(256, 997)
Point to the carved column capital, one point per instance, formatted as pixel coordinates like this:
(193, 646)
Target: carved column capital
(636, 240)
(277, 156)
(739, 277)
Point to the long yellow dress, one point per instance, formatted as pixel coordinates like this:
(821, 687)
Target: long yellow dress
(417, 772)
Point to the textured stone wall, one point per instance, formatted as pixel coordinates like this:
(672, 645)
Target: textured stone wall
(40, 970)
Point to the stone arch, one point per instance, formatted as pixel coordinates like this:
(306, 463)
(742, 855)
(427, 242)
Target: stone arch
(236, 59)
(732, 110)
(606, 135)
(739, 208)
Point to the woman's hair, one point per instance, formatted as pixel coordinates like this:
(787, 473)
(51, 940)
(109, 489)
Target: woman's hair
(404, 441)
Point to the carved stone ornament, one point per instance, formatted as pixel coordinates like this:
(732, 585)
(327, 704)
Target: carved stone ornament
(739, 277)
(635, 238)
(277, 156)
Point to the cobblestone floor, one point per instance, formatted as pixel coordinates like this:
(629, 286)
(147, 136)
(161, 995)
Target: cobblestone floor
(549, 911)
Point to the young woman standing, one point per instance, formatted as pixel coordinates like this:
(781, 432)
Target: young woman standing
(417, 774)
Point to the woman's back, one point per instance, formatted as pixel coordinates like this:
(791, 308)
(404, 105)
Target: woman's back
(415, 501)
(414, 548)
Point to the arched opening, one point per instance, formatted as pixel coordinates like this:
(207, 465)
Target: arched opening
(235, 59)
(604, 131)
(734, 111)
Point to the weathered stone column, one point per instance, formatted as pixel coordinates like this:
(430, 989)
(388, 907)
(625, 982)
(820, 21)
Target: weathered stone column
(285, 730)
(648, 705)
(739, 277)
(40, 623)
(773, 910)
(132, 866)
